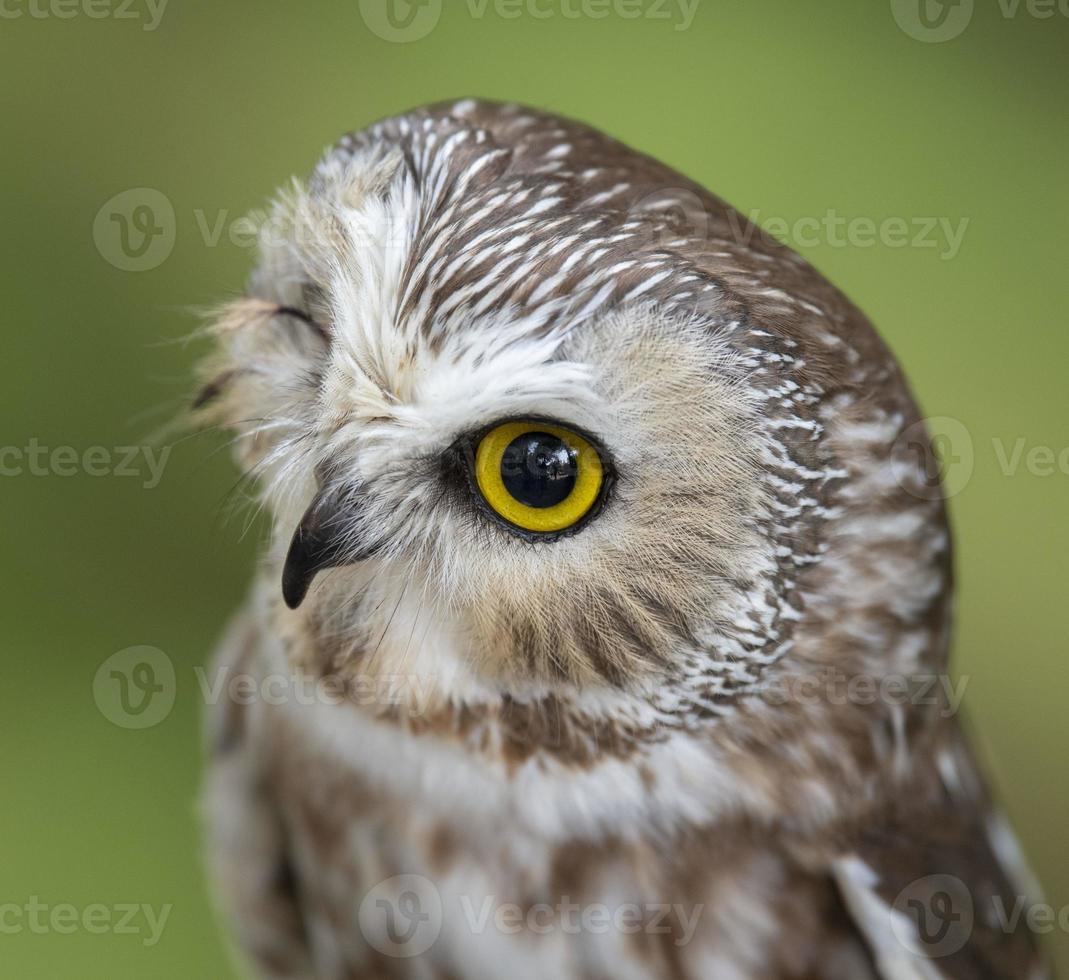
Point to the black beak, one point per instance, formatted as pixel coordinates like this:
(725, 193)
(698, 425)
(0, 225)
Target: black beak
(324, 539)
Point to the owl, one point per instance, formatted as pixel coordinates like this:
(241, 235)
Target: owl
(603, 627)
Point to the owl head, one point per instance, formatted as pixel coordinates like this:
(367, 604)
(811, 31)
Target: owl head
(532, 412)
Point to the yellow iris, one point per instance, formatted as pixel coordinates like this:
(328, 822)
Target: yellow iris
(491, 475)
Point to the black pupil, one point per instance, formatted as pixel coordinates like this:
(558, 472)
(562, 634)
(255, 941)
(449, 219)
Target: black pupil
(539, 469)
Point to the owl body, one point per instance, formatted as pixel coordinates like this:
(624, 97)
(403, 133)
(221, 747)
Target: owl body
(654, 688)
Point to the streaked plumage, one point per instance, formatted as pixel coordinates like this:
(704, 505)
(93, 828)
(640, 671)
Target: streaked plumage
(624, 715)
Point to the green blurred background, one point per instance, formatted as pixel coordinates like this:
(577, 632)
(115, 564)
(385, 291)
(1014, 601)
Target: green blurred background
(790, 109)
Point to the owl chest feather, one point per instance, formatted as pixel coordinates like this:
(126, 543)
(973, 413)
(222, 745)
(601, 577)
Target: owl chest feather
(502, 898)
(520, 864)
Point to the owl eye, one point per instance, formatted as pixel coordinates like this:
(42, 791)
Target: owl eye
(537, 476)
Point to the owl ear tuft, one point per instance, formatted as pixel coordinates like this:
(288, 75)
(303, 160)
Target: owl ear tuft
(240, 314)
(371, 180)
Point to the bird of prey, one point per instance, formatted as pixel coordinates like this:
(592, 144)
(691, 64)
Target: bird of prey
(603, 628)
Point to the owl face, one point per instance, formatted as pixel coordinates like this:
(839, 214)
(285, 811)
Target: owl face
(522, 416)
(579, 504)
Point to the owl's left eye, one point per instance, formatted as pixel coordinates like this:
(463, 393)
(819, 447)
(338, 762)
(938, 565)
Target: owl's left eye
(539, 477)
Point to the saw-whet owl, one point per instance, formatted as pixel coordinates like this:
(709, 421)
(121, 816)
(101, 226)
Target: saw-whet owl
(591, 506)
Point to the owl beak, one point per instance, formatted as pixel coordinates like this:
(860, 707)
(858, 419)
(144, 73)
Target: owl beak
(323, 539)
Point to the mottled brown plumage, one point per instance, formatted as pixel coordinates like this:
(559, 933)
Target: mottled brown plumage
(662, 711)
